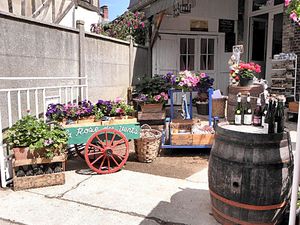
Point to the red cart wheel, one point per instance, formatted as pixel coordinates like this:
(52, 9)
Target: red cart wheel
(106, 151)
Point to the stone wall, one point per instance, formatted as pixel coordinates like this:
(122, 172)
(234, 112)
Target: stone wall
(291, 43)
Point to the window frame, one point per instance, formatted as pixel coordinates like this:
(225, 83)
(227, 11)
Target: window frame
(187, 52)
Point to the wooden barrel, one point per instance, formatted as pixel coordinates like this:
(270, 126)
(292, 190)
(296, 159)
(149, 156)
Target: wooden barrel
(250, 176)
(254, 91)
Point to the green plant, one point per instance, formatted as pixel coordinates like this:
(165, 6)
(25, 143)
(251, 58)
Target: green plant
(37, 135)
(98, 113)
(121, 108)
(152, 86)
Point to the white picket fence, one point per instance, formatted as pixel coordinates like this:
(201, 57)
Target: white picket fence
(34, 100)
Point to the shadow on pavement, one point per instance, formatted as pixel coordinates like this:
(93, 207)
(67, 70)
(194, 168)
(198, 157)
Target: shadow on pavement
(189, 206)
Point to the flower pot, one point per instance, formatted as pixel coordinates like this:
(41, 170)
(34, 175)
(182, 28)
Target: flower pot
(202, 108)
(22, 153)
(246, 82)
(157, 107)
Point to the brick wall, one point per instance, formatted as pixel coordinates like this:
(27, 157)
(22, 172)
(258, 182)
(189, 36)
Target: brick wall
(291, 43)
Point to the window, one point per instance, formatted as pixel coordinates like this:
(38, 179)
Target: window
(187, 54)
(207, 54)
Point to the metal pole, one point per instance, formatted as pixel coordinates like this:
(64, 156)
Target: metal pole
(293, 208)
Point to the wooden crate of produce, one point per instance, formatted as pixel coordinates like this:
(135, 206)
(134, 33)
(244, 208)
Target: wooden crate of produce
(203, 139)
(37, 181)
(180, 125)
(181, 139)
(294, 107)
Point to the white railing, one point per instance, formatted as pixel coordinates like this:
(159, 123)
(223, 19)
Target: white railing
(35, 100)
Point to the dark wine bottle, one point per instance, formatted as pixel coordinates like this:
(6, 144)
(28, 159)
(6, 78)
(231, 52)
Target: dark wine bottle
(248, 111)
(279, 117)
(20, 172)
(47, 169)
(29, 171)
(57, 169)
(37, 170)
(257, 115)
(238, 110)
(264, 113)
(271, 121)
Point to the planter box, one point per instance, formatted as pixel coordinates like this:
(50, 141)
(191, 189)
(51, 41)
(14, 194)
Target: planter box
(192, 139)
(37, 181)
(152, 107)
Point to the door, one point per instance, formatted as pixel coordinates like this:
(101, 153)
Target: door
(274, 40)
(258, 41)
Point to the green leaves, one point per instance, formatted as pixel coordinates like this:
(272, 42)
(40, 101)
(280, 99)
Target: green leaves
(35, 134)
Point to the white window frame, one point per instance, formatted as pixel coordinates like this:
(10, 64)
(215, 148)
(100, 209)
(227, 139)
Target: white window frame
(199, 54)
(195, 50)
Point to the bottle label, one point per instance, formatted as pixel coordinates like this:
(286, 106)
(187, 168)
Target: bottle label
(248, 119)
(238, 119)
(275, 127)
(256, 120)
(266, 128)
(263, 121)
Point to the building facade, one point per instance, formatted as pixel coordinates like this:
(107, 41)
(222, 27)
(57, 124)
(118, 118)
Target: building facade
(63, 12)
(202, 39)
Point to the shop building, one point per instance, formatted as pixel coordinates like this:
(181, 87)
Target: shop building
(198, 35)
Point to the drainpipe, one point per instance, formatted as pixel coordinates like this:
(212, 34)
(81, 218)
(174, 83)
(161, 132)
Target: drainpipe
(292, 218)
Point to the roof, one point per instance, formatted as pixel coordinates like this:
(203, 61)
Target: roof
(135, 5)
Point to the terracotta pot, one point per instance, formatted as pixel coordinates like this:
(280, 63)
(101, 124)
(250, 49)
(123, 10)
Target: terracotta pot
(157, 107)
(22, 153)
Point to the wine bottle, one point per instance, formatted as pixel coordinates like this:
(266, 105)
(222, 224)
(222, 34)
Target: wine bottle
(279, 117)
(257, 115)
(20, 172)
(248, 111)
(271, 120)
(238, 110)
(29, 171)
(264, 112)
(47, 169)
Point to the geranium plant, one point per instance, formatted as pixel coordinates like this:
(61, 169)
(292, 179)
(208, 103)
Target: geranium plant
(121, 108)
(37, 135)
(153, 99)
(244, 70)
(188, 80)
(293, 10)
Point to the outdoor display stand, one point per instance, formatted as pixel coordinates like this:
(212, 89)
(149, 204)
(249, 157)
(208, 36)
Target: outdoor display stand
(106, 146)
(186, 140)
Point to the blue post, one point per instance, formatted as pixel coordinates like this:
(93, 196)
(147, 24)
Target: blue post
(210, 92)
(191, 105)
(172, 102)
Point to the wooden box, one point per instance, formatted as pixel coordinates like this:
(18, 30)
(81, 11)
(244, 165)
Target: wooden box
(180, 125)
(181, 139)
(203, 139)
(294, 107)
(37, 181)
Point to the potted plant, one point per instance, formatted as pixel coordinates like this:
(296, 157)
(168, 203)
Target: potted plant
(201, 100)
(121, 109)
(245, 73)
(153, 103)
(55, 112)
(85, 111)
(72, 113)
(32, 138)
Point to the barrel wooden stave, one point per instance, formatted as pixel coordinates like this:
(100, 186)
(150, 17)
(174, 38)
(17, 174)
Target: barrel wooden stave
(246, 173)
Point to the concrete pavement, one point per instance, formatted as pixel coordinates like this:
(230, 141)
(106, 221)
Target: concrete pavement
(123, 198)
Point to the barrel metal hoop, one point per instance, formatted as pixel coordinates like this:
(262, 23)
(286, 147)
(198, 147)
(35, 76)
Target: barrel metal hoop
(283, 164)
(247, 206)
(235, 220)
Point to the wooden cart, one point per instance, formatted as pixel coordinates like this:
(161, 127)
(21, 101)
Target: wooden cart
(106, 146)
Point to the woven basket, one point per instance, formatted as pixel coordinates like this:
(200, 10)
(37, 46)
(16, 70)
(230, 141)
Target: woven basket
(218, 107)
(147, 147)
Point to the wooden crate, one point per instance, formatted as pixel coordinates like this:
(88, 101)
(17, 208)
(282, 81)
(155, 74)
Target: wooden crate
(294, 107)
(179, 125)
(181, 139)
(117, 120)
(27, 182)
(203, 139)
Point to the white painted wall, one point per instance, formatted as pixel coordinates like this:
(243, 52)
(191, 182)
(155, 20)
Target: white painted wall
(80, 13)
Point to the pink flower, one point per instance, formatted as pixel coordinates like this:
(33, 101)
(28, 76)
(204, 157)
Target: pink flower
(128, 24)
(294, 16)
(202, 75)
(118, 100)
(287, 2)
(143, 24)
(119, 110)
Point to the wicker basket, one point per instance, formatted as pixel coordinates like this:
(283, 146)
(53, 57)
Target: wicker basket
(218, 107)
(147, 147)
